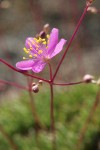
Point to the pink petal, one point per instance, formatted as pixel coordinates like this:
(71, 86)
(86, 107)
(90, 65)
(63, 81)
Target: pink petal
(53, 40)
(25, 65)
(38, 67)
(30, 42)
(31, 45)
(34, 46)
(58, 48)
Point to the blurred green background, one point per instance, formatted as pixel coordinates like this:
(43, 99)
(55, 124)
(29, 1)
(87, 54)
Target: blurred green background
(72, 106)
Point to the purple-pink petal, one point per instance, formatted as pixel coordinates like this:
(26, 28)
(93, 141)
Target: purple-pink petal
(53, 40)
(58, 48)
(28, 43)
(25, 64)
(38, 67)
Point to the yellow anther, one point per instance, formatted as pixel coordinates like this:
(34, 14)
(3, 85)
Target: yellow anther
(35, 39)
(39, 40)
(30, 56)
(44, 42)
(48, 35)
(35, 55)
(25, 50)
(40, 52)
(33, 42)
(31, 48)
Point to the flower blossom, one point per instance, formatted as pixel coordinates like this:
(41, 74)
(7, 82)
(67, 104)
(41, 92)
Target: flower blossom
(40, 51)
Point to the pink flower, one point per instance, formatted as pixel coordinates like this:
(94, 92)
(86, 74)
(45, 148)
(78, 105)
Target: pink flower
(40, 51)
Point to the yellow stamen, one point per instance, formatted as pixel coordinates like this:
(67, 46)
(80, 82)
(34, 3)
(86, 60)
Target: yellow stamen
(30, 56)
(40, 52)
(44, 42)
(35, 55)
(34, 43)
(25, 50)
(48, 35)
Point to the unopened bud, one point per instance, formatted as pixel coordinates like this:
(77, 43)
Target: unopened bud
(88, 78)
(40, 82)
(92, 10)
(35, 88)
(46, 28)
(89, 2)
(33, 83)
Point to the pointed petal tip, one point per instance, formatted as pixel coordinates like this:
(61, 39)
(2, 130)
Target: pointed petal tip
(58, 48)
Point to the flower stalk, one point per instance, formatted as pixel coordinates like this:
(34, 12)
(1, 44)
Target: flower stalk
(52, 111)
(70, 41)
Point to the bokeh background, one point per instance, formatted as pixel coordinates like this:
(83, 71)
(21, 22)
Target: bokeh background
(20, 19)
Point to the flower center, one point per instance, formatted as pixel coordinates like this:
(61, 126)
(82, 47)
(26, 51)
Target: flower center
(36, 45)
(46, 59)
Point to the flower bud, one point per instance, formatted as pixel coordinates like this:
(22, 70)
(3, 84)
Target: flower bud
(40, 82)
(35, 88)
(92, 10)
(33, 83)
(46, 28)
(88, 78)
(89, 2)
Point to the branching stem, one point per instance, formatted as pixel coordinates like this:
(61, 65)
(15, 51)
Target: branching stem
(70, 41)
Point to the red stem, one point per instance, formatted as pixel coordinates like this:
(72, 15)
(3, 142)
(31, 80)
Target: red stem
(70, 41)
(15, 84)
(65, 84)
(52, 111)
(13, 68)
(52, 101)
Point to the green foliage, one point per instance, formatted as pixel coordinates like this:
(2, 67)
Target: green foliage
(72, 106)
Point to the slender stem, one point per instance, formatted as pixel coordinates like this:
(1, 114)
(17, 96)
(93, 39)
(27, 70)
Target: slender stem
(52, 111)
(30, 75)
(14, 84)
(65, 84)
(89, 118)
(50, 72)
(8, 138)
(52, 101)
(70, 41)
